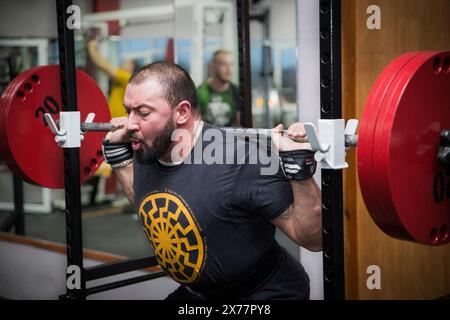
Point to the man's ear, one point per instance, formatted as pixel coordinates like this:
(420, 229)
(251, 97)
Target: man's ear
(183, 112)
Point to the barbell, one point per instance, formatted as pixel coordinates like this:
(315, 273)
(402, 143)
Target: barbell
(403, 142)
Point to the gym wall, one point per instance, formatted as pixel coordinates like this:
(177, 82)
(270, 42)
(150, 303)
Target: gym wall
(408, 270)
(28, 18)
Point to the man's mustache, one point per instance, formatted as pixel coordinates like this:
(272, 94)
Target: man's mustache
(131, 135)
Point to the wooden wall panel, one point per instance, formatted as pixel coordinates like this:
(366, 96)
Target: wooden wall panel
(349, 111)
(408, 270)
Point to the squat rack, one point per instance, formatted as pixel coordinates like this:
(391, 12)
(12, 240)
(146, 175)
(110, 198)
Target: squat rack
(74, 246)
(332, 185)
(332, 198)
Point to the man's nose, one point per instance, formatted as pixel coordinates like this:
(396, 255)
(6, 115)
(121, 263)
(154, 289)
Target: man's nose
(132, 124)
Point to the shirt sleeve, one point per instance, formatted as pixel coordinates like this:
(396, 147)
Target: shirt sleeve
(268, 195)
(122, 77)
(202, 98)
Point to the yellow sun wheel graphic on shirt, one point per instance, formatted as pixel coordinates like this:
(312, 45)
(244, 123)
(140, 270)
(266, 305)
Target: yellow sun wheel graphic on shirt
(174, 235)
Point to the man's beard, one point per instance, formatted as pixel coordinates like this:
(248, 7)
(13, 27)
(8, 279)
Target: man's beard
(160, 146)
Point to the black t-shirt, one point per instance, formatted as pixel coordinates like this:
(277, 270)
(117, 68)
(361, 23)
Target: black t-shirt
(209, 224)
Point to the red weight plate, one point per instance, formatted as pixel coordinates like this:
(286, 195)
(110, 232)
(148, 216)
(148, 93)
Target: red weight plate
(407, 144)
(4, 107)
(30, 149)
(7, 97)
(367, 129)
(390, 222)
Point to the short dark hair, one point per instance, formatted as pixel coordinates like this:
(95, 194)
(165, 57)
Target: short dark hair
(176, 83)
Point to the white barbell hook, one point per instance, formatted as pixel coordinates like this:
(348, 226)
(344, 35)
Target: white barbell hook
(51, 123)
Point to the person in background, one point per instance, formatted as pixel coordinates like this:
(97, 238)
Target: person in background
(218, 98)
(119, 79)
(118, 76)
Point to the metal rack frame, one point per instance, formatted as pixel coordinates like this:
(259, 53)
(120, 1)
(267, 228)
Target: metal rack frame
(73, 185)
(332, 183)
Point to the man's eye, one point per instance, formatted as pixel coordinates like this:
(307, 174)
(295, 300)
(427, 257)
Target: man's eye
(143, 114)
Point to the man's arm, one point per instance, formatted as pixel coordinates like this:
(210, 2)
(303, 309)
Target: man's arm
(124, 174)
(302, 221)
(125, 178)
(99, 61)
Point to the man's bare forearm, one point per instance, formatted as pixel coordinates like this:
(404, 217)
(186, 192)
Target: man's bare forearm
(125, 178)
(307, 213)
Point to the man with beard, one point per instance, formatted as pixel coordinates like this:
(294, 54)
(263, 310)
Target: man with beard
(212, 226)
(218, 97)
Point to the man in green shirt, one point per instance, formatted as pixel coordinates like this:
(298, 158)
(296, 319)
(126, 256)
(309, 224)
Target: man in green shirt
(218, 98)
